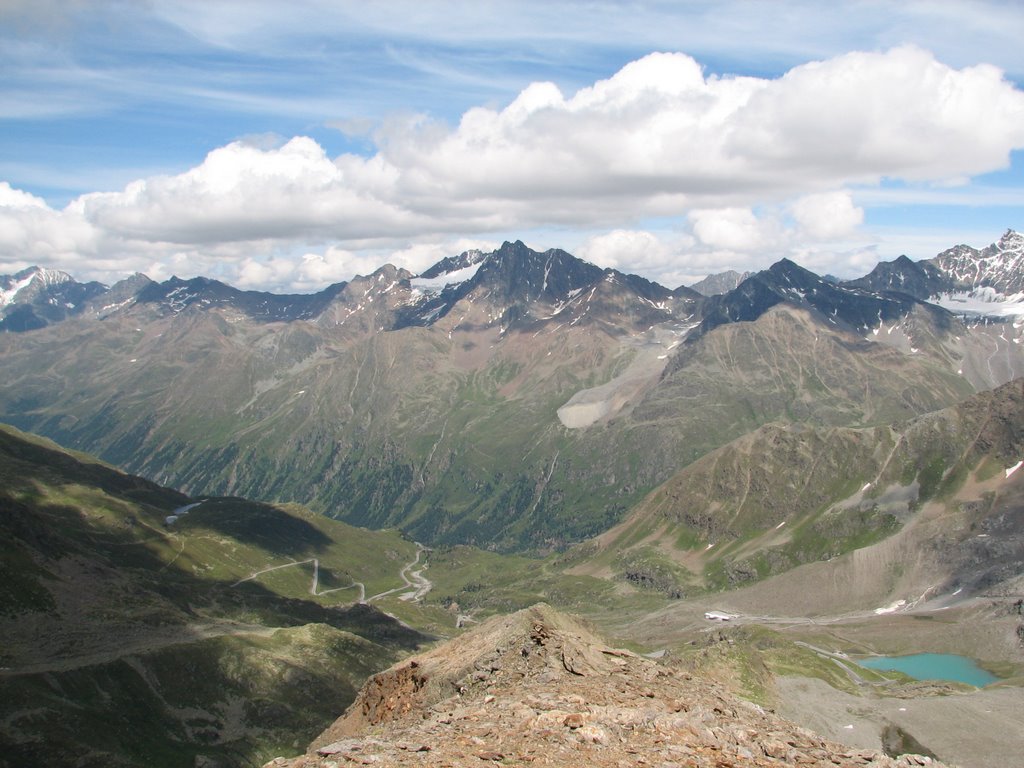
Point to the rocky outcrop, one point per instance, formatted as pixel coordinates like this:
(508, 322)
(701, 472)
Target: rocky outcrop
(539, 688)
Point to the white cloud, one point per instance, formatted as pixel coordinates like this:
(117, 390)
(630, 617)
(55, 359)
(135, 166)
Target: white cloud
(627, 249)
(241, 192)
(254, 274)
(17, 199)
(828, 215)
(735, 229)
(659, 136)
(656, 139)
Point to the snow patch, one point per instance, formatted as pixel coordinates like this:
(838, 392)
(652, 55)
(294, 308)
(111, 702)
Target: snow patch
(1014, 468)
(982, 301)
(7, 296)
(441, 281)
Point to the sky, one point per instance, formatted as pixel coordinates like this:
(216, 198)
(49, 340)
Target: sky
(286, 146)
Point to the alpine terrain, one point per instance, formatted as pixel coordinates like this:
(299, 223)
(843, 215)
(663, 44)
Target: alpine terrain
(516, 399)
(751, 485)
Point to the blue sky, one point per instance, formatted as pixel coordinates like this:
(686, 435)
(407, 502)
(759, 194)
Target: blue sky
(288, 145)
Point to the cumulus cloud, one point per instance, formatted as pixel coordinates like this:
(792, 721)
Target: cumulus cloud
(242, 192)
(735, 229)
(656, 139)
(827, 216)
(671, 258)
(17, 199)
(626, 249)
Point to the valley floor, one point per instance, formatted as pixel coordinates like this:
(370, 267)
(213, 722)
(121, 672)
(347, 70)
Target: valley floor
(978, 729)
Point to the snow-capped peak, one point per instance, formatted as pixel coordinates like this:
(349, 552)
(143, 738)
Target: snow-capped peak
(12, 285)
(985, 282)
(52, 276)
(1011, 241)
(999, 266)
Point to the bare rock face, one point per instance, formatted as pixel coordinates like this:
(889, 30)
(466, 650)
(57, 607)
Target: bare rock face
(538, 687)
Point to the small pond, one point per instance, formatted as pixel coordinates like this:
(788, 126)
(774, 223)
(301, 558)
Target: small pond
(933, 666)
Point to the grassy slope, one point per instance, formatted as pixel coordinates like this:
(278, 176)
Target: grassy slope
(452, 437)
(786, 495)
(127, 641)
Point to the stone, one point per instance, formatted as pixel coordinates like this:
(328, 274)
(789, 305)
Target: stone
(575, 720)
(593, 734)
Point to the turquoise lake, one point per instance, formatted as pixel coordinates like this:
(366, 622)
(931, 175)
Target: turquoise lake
(933, 666)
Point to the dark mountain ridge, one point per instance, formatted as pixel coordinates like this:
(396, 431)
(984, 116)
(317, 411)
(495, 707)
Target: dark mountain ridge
(175, 295)
(848, 306)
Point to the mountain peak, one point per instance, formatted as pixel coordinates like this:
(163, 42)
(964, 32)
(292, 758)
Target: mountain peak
(36, 297)
(784, 264)
(999, 266)
(791, 272)
(37, 278)
(718, 283)
(519, 273)
(1011, 241)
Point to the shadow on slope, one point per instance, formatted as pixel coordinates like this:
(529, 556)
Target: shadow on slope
(257, 524)
(119, 652)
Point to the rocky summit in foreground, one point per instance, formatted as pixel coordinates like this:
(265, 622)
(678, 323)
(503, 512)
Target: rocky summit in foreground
(539, 688)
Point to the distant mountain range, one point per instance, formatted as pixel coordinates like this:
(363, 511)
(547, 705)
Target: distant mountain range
(513, 399)
(36, 297)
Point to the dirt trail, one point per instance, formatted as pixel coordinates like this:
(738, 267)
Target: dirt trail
(416, 581)
(313, 589)
(413, 580)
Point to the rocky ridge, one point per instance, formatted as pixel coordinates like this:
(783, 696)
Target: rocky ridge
(997, 266)
(993, 275)
(35, 297)
(537, 687)
(721, 282)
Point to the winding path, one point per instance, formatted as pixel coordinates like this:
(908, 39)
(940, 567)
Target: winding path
(316, 579)
(414, 581)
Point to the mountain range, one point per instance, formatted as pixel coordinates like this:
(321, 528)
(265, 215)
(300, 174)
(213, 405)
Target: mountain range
(514, 399)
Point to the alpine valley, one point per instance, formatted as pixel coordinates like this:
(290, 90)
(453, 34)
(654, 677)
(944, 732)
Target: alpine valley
(758, 479)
